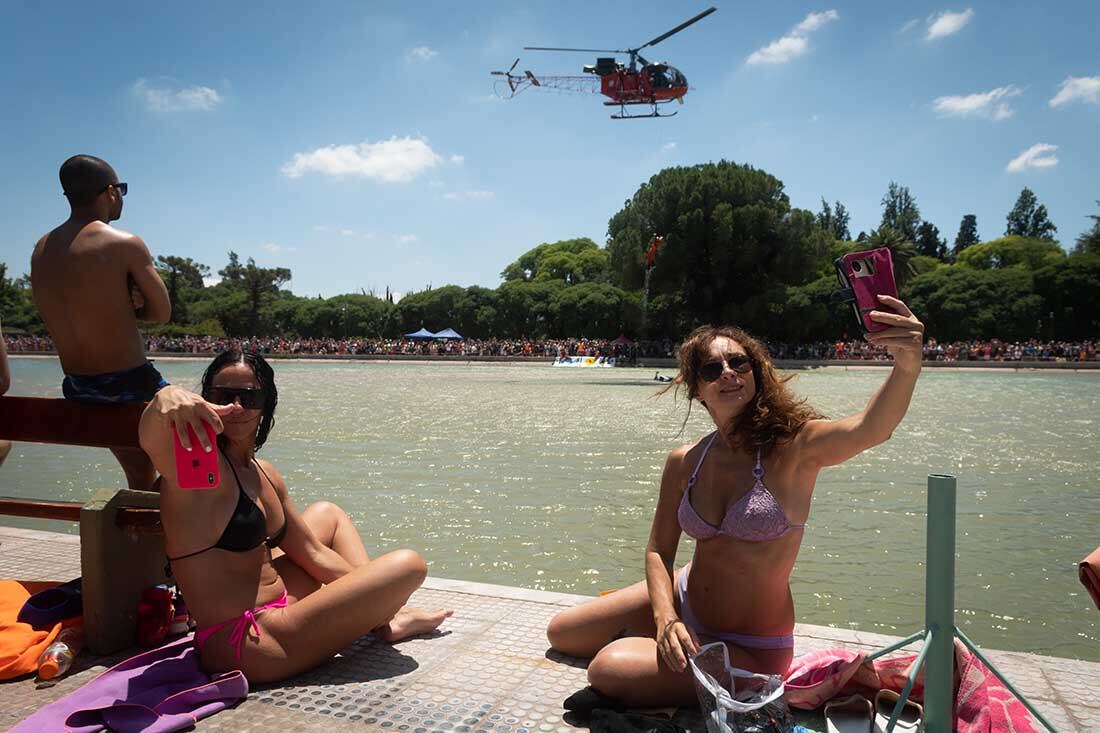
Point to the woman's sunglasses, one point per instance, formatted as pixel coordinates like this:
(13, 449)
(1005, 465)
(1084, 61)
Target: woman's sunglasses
(712, 370)
(250, 397)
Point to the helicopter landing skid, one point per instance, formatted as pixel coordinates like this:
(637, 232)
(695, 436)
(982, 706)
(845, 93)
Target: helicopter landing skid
(655, 113)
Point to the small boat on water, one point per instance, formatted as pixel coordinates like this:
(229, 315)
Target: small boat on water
(584, 361)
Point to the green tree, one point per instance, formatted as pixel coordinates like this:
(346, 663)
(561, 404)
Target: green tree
(1089, 241)
(902, 250)
(731, 240)
(1028, 218)
(17, 304)
(962, 303)
(834, 220)
(1011, 252)
(900, 212)
(967, 236)
(572, 260)
(1070, 289)
(929, 243)
(590, 310)
(179, 274)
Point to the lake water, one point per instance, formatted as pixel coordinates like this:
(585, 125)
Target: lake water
(546, 478)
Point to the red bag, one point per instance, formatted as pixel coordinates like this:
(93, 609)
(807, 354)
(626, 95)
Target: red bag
(1089, 572)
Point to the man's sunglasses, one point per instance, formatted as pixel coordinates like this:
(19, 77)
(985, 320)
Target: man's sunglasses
(712, 370)
(122, 188)
(250, 397)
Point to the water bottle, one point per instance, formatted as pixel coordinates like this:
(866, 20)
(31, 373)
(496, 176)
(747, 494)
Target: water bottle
(58, 656)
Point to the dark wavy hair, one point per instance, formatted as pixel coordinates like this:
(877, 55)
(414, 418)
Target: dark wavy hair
(773, 416)
(264, 375)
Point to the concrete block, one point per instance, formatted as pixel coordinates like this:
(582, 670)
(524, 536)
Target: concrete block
(116, 565)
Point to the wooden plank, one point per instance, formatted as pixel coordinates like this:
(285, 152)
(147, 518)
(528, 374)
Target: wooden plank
(47, 420)
(138, 520)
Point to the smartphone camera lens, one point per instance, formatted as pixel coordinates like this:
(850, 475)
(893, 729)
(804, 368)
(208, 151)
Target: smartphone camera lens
(857, 266)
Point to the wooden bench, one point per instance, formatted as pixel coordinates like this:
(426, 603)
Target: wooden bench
(121, 538)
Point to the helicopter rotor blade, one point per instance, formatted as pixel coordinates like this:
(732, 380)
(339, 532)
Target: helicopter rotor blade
(677, 29)
(579, 50)
(513, 65)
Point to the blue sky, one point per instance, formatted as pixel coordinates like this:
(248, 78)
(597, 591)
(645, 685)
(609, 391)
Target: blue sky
(361, 146)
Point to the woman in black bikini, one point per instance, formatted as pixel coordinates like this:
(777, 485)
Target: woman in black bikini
(274, 591)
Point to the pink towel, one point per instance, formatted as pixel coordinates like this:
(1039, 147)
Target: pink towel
(1089, 572)
(982, 703)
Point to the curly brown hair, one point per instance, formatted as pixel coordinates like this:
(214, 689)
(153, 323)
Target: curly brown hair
(773, 416)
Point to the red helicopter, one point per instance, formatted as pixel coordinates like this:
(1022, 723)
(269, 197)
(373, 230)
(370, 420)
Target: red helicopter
(653, 84)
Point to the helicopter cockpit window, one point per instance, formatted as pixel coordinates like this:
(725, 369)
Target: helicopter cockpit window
(658, 76)
(675, 78)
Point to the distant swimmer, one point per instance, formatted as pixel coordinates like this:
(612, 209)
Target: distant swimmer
(91, 284)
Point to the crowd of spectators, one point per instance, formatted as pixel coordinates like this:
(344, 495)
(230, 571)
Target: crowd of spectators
(995, 350)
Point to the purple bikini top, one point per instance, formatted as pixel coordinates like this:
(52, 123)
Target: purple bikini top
(755, 517)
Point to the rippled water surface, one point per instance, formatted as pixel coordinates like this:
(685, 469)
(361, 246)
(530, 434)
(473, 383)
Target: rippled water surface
(547, 478)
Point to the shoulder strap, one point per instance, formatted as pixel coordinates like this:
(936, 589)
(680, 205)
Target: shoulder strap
(706, 449)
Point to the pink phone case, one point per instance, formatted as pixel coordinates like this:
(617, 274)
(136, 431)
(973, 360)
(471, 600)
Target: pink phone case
(868, 274)
(196, 468)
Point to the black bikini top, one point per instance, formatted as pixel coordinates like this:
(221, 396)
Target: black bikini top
(247, 527)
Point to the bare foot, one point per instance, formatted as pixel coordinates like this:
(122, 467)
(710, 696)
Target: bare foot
(411, 621)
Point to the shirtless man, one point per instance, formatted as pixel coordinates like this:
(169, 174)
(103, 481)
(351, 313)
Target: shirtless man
(91, 284)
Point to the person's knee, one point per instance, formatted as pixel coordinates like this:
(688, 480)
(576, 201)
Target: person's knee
(606, 672)
(5, 449)
(325, 509)
(411, 565)
(559, 632)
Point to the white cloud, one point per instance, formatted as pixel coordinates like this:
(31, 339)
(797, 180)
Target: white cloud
(277, 248)
(398, 159)
(468, 195)
(347, 232)
(176, 99)
(211, 281)
(668, 147)
(1078, 88)
(990, 105)
(947, 23)
(1039, 155)
(407, 238)
(813, 21)
(909, 25)
(794, 44)
(421, 53)
(458, 159)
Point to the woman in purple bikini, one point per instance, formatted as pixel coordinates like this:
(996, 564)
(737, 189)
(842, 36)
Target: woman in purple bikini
(743, 492)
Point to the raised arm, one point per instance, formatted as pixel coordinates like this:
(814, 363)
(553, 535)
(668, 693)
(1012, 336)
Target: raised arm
(674, 640)
(300, 544)
(174, 408)
(831, 442)
(139, 264)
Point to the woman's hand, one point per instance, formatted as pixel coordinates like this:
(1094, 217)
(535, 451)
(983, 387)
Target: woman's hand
(905, 337)
(181, 408)
(676, 643)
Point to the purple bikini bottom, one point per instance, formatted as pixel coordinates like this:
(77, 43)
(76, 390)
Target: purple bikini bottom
(748, 641)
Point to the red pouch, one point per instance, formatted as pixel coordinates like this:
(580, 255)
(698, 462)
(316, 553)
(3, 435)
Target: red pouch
(864, 276)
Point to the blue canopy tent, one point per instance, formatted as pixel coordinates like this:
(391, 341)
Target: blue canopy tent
(423, 333)
(448, 333)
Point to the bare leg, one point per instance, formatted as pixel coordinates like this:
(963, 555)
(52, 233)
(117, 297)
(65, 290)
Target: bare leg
(5, 449)
(139, 470)
(583, 630)
(308, 632)
(335, 530)
(631, 670)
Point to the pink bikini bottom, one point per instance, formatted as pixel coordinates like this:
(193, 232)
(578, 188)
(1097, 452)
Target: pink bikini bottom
(240, 630)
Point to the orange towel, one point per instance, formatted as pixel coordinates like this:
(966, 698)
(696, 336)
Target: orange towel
(1089, 572)
(20, 644)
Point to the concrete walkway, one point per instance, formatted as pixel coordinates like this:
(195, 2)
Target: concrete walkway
(487, 670)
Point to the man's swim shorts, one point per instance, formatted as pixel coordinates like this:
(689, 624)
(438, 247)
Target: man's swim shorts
(115, 388)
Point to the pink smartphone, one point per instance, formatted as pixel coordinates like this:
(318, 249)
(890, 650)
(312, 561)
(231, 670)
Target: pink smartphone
(864, 276)
(196, 468)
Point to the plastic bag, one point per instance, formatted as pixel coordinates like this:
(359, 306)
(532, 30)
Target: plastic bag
(736, 701)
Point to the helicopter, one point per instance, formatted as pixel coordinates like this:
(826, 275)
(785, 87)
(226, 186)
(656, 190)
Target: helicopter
(653, 84)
